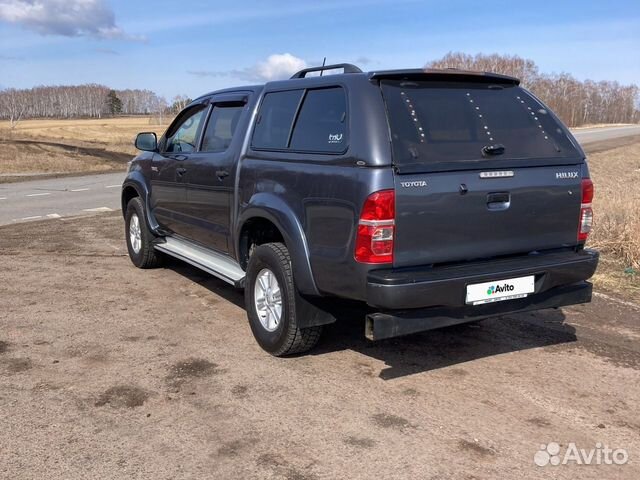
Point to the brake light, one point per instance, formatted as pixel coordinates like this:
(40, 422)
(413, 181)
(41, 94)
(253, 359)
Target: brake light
(376, 228)
(586, 212)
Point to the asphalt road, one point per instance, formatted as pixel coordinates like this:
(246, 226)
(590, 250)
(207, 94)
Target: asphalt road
(590, 135)
(61, 197)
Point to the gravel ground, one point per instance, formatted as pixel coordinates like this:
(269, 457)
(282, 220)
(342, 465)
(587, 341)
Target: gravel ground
(107, 371)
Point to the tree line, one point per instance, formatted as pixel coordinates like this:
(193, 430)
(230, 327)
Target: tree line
(575, 102)
(82, 101)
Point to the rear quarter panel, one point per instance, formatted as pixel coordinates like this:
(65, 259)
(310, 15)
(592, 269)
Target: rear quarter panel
(326, 192)
(326, 201)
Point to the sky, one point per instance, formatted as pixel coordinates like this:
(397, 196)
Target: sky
(192, 47)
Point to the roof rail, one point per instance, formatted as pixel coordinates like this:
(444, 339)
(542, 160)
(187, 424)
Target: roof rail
(347, 67)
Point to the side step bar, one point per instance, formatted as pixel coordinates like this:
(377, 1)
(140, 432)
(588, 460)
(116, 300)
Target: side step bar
(217, 264)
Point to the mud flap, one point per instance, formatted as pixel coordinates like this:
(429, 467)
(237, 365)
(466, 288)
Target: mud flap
(310, 312)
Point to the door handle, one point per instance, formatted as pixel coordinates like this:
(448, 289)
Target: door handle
(222, 174)
(180, 158)
(498, 201)
(181, 171)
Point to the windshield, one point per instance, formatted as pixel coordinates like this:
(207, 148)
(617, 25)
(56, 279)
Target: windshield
(435, 123)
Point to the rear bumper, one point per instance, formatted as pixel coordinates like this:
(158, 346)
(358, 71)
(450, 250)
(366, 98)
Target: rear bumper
(387, 325)
(420, 287)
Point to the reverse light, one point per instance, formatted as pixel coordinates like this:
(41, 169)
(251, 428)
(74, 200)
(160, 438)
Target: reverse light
(376, 228)
(586, 211)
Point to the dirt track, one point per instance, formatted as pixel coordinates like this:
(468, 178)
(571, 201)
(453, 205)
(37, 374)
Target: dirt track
(107, 371)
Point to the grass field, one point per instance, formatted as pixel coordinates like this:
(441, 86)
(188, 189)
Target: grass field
(70, 146)
(616, 175)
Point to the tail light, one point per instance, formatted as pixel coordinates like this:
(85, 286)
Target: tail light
(586, 212)
(376, 228)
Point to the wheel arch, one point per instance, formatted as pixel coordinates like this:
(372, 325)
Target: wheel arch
(129, 192)
(263, 212)
(134, 185)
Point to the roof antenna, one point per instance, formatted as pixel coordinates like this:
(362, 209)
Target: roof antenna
(324, 62)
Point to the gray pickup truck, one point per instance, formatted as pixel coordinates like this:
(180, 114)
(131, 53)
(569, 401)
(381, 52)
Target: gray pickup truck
(430, 197)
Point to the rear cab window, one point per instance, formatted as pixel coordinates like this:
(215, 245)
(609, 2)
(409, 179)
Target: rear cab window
(321, 124)
(277, 113)
(304, 121)
(440, 126)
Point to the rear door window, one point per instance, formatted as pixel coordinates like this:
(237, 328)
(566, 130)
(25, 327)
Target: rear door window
(275, 120)
(435, 123)
(321, 124)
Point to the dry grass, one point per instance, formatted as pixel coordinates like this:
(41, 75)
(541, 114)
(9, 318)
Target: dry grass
(70, 146)
(26, 157)
(616, 175)
(613, 277)
(116, 134)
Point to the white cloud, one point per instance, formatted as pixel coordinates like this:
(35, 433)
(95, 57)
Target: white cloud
(278, 66)
(70, 18)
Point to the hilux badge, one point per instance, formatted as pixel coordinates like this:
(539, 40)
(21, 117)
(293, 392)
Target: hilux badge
(566, 175)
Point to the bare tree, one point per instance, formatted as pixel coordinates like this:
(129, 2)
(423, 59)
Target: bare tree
(575, 102)
(179, 102)
(159, 108)
(13, 106)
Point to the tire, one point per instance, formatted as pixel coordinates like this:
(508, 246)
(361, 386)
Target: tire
(140, 246)
(269, 262)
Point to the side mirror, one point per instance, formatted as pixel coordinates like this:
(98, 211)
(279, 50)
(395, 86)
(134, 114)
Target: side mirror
(147, 142)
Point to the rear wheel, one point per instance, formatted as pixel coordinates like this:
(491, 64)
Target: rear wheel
(270, 299)
(139, 237)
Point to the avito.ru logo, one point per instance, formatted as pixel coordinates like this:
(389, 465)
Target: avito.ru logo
(500, 289)
(550, 454)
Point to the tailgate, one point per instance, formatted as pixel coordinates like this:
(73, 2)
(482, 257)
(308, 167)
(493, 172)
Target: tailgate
(465, 215)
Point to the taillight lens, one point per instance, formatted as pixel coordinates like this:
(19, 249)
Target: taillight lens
(376, 228)
(586, 211)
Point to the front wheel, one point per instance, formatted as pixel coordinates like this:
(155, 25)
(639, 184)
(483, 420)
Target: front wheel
(270, 299)
(139, 237)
